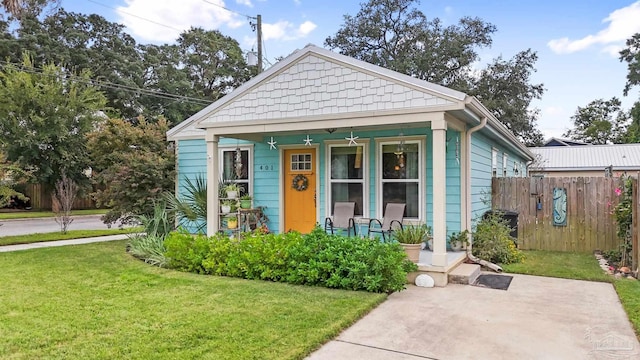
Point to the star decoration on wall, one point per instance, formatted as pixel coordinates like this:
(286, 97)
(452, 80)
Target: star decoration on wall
(352, 139)
(272, 144)
(307, 141)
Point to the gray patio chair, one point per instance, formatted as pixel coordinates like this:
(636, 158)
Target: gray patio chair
(392, 220)
(342, 218)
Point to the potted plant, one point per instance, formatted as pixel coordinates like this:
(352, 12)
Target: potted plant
(232, 222)
(226, 206)
(458, 240)
(232, 190)
(245, 201)
(411, 239)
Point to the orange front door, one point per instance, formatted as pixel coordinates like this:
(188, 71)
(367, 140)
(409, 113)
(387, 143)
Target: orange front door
(300, 189)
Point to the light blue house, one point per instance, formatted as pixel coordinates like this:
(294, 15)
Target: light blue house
(319, 127)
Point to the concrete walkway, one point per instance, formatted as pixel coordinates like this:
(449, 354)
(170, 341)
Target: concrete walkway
(536, 318)
(8, 248)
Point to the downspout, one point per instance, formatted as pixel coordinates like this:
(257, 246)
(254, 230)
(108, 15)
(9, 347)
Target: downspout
(476, 260)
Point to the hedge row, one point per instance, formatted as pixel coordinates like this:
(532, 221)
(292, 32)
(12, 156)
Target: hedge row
(316, 259)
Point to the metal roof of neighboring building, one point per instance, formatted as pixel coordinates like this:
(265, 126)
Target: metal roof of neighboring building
(586, 157)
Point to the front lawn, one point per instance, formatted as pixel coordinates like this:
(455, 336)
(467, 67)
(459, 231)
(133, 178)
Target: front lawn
(95, 301)
(580, 266)
(55, 236)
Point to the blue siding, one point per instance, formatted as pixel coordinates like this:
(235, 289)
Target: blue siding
(481, 147)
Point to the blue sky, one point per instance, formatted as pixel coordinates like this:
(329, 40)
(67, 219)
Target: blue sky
(576, 41)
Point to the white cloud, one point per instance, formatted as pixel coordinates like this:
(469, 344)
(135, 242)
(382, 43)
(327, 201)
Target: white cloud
(177, 16)
(284, 30)
(623, 23)
(554, 111)
(245, 2)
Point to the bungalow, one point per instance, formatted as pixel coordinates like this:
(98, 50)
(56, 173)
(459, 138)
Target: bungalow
(319, 127)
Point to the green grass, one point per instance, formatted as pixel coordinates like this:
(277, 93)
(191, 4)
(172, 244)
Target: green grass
(44, 214)
(95, 301)
(55, 236)
(579, 266)
(629, 294)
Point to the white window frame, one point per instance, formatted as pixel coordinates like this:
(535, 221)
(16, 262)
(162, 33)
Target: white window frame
(505, 162)
(245, 147)
(494, 162)
(329, 144)
(421, 141)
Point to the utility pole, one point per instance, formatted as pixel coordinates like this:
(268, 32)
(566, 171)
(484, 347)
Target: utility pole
(259, 31)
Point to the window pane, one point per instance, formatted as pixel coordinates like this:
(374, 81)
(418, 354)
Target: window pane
(230, 169)
(400, 162)
(347, 192)
(346, 162)
(402, 193)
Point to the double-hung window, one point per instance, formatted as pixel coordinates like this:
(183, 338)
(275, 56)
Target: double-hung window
(494, 162)
(401, 175)
(236, 167)
(505, 161)
(347, 176)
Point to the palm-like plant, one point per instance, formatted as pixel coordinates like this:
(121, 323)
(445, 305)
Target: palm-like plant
(191, 207)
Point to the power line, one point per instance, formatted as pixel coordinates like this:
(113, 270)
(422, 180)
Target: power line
(115, 86)
(229, 10)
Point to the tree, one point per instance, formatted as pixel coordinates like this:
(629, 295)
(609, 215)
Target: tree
(391, 34)
(62, 198)
(214, 62)
(395, 35)
(44, 116)
(132, 167)
(505, 88)
(631, 55)
(600, 122)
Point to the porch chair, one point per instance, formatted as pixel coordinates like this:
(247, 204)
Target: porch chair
(343, 213)
(392, 220)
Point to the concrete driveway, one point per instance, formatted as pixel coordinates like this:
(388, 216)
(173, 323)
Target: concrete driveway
(536, 318)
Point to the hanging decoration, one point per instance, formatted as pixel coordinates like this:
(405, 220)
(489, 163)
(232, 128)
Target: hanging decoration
(237, 164)
(458, 150)
(352, 139)
(307, 141)
(400, 153)
(272, 144)
(300, 182)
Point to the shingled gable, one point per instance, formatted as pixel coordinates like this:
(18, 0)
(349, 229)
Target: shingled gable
(315, 82)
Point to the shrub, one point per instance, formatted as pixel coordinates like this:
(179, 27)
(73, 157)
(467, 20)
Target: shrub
(187, 252)
(314, 259)
(149, 248)
(492, 242)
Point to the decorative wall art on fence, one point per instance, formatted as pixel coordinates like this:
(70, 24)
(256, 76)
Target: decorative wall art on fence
(559, 207)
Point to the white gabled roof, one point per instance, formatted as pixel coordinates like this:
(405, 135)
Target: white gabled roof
(587, 157)
(303, 60)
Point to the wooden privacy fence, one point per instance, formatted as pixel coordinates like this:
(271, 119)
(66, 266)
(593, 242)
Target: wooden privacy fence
(41, 199)
(590, 224)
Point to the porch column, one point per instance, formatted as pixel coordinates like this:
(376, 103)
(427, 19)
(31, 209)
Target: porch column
(439, 182)
(213, 207)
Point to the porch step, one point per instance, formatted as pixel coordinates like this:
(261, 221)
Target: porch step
(464, 274)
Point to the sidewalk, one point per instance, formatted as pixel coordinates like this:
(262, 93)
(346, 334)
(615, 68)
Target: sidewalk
(8, 248)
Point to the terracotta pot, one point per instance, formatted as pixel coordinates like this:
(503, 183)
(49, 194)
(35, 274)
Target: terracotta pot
(412, 251)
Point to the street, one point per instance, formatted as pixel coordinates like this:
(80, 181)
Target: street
(46, 225)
